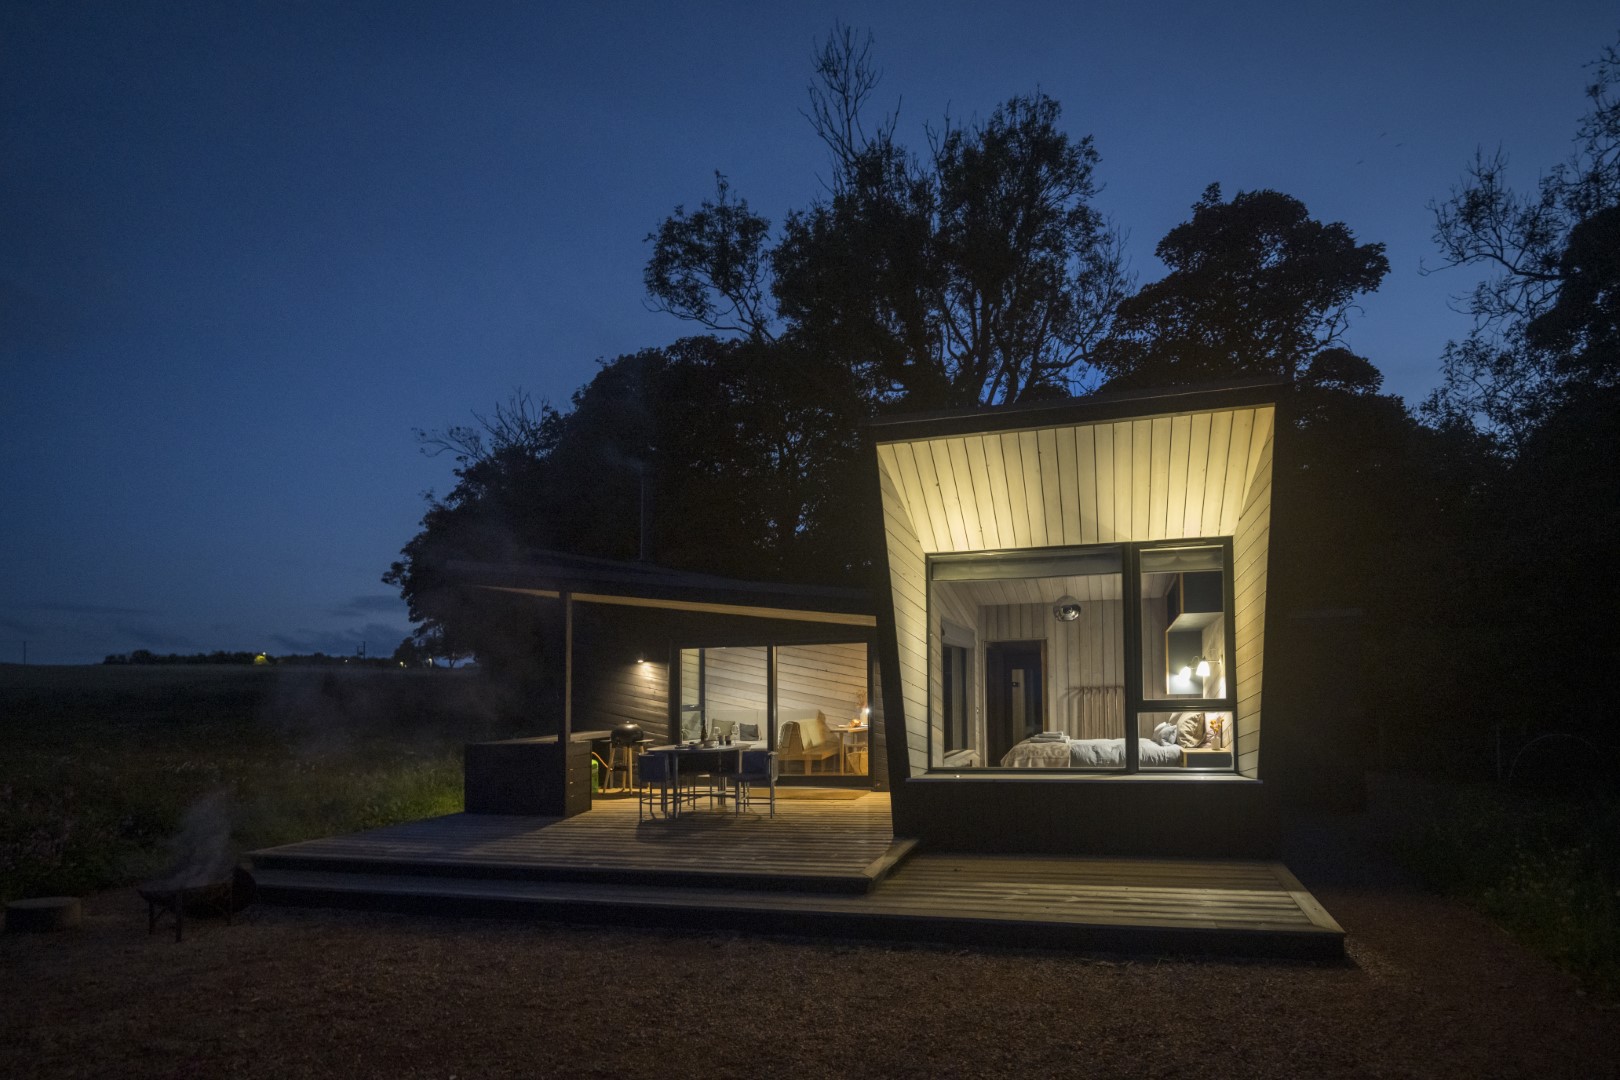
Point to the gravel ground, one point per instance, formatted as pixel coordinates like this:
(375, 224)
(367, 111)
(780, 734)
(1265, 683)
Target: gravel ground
(1430, 990)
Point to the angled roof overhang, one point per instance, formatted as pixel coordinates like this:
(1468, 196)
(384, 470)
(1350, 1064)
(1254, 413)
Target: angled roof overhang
(551, 574)
(1093, 408)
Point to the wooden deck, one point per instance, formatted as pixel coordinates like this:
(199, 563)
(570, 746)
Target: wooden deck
(817, 844)
(820, 867)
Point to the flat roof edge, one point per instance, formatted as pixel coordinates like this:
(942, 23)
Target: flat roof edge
(1109, 405)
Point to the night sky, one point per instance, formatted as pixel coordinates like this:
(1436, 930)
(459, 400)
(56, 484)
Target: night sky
(246, 248)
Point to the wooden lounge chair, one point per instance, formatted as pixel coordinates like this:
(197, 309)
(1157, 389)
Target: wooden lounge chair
(809, 743)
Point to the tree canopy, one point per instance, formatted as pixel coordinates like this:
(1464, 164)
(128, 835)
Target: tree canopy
(976, 272)
(1545, 311)
(1255, 286)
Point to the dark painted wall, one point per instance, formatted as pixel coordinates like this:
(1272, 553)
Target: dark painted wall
(1072, 816)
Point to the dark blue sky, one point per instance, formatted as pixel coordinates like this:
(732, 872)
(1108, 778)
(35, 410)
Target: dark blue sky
(245, 249)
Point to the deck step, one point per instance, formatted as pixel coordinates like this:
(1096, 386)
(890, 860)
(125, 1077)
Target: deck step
(920, 907)
(853, 881)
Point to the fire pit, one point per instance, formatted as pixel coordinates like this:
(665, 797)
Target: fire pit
(189, 896)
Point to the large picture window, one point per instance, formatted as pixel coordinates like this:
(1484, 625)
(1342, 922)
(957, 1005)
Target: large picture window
(1031, 652)
(1183, 623)
(1110, 658)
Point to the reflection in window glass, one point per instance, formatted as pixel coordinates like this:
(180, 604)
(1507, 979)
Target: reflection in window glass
(1183, 624)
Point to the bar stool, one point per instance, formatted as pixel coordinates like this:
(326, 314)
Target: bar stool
(622, 757)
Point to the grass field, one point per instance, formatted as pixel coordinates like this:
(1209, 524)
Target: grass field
(99, 764)
(1547, 869)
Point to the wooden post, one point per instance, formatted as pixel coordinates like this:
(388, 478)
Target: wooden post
(770, 696)
(566, 735)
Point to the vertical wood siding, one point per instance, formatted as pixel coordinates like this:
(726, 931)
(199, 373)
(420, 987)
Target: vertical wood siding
(1250, 553)
(908, 585)
(1167, 477)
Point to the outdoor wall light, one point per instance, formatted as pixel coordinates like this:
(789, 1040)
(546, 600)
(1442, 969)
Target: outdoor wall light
(1067, 609)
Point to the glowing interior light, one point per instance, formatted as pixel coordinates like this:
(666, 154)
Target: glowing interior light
(1185, 672)
(1203, 669)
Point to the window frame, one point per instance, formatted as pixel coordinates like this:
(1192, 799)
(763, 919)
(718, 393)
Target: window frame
(1135, 701)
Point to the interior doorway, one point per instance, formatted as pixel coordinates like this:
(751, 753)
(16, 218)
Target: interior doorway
(1014, 709)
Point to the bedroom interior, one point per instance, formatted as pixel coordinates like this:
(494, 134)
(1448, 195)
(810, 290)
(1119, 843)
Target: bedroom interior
(1033, 668)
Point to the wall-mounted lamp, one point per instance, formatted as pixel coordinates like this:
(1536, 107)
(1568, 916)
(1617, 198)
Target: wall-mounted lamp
(1201, 669)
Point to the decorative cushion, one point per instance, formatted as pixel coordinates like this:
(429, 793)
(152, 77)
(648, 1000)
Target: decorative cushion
(1165, 734)
(748, 732)
(1190, 730)
(814, 731)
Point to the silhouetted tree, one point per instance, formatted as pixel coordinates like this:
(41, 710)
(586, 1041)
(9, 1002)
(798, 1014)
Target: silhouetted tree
(1256, 286)
(977, 272)
(1545, 312)
(743, 453)
(1537, 384)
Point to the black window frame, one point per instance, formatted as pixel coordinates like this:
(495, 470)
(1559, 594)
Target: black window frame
(1136, 703)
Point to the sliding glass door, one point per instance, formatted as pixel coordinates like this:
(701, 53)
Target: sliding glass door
(807, 702)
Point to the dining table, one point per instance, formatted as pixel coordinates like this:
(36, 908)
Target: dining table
(694, 758)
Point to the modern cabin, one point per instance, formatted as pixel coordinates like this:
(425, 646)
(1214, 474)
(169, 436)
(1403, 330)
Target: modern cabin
(1067, 660)
(1076, 622)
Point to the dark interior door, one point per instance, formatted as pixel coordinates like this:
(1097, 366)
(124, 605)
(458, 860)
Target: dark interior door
(1013, 709)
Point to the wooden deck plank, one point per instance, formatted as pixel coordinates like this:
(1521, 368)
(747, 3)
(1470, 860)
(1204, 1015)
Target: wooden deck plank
(979, 899)
(834, 840)
(821, 866)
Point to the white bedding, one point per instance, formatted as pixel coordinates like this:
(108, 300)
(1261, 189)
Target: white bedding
(1085, 754)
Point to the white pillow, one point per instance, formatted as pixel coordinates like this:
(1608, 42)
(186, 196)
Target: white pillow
(1165, 733)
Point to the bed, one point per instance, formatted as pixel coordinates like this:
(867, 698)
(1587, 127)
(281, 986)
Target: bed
(1189, 740)
(1063, 752)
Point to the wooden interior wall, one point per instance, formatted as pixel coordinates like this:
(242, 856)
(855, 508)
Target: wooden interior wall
(952, 604)
(734, 684)
(1250, 552)
(826, 678)
(1082, 658)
